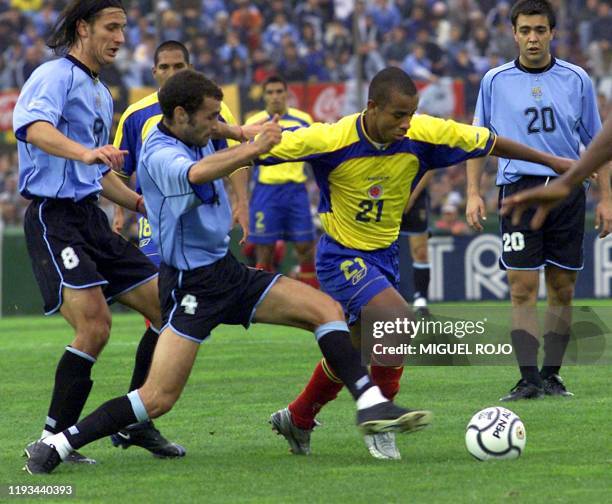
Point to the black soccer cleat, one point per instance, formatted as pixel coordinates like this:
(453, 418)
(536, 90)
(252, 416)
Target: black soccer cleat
(42, 458)
(422, 312)
(146, 436)
(524, 390)
(555, 386)
(73, 457)
(387, 417)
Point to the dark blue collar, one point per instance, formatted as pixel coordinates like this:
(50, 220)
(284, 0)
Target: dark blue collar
(522, 68)
(82, 66)
(167, 131)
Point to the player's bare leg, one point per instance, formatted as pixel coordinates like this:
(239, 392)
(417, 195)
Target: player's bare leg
(305, 254)
(87, 312)
(264, 254)
(560, 285)
(170, 369)
(172, 363)
(523, 293)
(293, 303)
(145, 300)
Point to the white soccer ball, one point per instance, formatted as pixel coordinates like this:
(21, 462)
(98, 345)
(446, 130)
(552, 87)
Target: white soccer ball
(495, 433)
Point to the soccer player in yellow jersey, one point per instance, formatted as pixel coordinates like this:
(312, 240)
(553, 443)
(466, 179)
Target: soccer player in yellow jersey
(279, 208)
(366, 165)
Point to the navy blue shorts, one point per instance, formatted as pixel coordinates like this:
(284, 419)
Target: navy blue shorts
(353, 277)
(280, 212)
(416, 221)
(194, 302)
(558, 242)
(72, 245)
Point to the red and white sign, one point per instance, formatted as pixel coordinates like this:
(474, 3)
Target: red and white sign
(8, 99)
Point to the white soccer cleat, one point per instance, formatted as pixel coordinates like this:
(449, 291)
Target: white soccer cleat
(382, 446)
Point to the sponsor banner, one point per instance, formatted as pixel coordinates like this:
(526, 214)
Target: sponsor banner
(8, 99)
(328, 102)
(466, 268)
(325, 102)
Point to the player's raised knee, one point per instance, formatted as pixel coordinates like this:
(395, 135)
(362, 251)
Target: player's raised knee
(326, 310)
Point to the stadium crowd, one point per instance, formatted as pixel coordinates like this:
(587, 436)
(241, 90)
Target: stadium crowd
(244, 42)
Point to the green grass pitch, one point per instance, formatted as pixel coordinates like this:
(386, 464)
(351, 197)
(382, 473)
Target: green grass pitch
(241, 377)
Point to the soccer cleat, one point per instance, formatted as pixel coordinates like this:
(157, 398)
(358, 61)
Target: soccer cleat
(420, 308)
(146, 436)
(42, 458)
(422, 312)
(73, 458)
(524, 390)
(388, 417)
(554, 385)
(382, 446)
(298, 439)
(77, 458)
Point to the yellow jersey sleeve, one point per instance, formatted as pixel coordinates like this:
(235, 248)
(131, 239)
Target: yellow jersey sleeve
(120, 141)
(283, 173)
(137, 120)
(310, 143)
(229, 118)
(444, 142)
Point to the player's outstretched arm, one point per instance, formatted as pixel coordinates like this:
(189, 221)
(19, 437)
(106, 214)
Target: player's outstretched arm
(118, 219)
(115, 190)
(238, 133)
(475, 208)
(603, 211)
(119, 212)
(421, 186)
(509, 149)
(49, 139)
(223, 163)
(547, 197)
(239, 181)
(594, 157)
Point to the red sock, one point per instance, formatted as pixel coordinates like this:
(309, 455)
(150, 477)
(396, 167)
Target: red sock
(322, 388)
(308, 275)
(265, 267)
(387, 379)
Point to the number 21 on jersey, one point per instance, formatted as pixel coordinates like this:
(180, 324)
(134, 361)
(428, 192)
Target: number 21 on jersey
(367, 208)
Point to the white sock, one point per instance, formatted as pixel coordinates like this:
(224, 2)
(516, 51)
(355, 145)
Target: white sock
(370, 397)
(45, 433)
(61, 444)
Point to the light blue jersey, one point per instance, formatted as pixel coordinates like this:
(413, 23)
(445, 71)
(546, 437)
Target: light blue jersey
(553, 110)
(65, 93)
(190, 223)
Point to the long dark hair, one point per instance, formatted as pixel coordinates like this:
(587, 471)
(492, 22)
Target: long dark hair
(64, 32)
